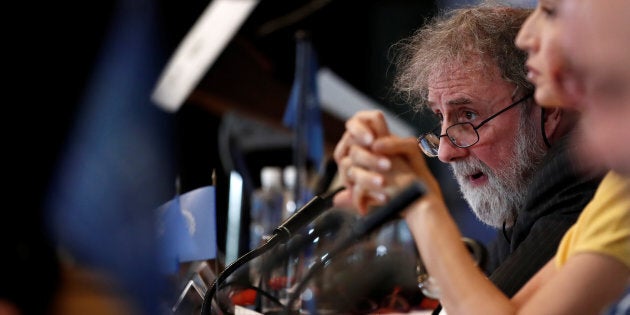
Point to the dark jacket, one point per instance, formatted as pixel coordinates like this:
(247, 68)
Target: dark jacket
(557, 195)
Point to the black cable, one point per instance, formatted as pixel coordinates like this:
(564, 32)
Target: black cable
(281, 234)
(258, 302)
(217, 283)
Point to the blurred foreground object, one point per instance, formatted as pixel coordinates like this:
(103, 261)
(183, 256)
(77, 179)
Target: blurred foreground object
(198, 51)
(117, 165)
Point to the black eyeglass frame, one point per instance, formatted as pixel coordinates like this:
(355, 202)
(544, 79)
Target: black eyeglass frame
(436, 131)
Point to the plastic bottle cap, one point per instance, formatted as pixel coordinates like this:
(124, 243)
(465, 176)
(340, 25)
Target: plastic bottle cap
(290, 176)
(271, 176)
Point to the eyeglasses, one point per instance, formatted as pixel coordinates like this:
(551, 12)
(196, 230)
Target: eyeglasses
(462, 135)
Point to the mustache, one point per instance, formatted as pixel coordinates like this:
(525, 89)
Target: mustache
(470, 166)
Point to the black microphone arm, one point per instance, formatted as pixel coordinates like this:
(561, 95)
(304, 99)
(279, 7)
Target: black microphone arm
(329, 222)
(305, 215)
(363, 228)
(281, 234)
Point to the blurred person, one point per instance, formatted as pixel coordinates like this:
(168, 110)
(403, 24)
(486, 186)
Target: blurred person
(594, 72)
(595, 41)
(592, 266)
(516, 173)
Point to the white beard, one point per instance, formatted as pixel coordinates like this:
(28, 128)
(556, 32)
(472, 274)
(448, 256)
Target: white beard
(497, 202)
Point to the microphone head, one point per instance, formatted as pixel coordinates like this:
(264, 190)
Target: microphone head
(329, 227)
(324, 230)
(332, 220)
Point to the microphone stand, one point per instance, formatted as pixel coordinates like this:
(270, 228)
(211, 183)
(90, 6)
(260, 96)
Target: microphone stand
(216, 284)
(281, 234)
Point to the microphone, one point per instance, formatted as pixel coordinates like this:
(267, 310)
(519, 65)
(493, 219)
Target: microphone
(364, 227)
(281, 234)
(389, 211)
(330, 222)
(305, 215)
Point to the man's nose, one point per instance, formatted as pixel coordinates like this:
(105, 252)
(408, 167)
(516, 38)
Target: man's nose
(448, 152)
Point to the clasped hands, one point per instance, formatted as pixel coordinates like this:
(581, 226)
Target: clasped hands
(374, 164)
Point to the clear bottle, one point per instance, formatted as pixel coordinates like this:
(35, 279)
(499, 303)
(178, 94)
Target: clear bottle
(289, 176)
(296, 264)
(291, 203)
(267, 205)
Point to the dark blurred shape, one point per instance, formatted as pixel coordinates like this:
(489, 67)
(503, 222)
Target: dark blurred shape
(303, 113)
(116, 166)
(50, 62)
(326, 177)
(368, 226)
(362, 279)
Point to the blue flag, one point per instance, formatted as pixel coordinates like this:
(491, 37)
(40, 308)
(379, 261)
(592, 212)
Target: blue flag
(187, 228)
(198, 210)
(303, 109)
(173, 237)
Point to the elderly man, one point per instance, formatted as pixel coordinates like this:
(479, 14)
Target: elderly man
(508, 155)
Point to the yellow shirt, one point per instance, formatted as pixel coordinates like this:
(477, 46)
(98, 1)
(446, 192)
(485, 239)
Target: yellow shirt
(604, 225)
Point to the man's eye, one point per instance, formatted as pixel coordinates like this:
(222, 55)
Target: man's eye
(469, 116)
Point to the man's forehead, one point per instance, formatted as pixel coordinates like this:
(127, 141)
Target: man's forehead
(455, 100)
(463, 77)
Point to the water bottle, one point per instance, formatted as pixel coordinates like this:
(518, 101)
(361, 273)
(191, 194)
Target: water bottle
(293, 199)
(267, 205)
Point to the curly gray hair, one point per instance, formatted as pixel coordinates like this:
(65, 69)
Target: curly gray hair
(476, 38)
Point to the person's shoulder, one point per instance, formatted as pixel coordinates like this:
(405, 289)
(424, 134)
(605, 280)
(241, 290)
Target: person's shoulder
(612, 195)
(616, 181)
